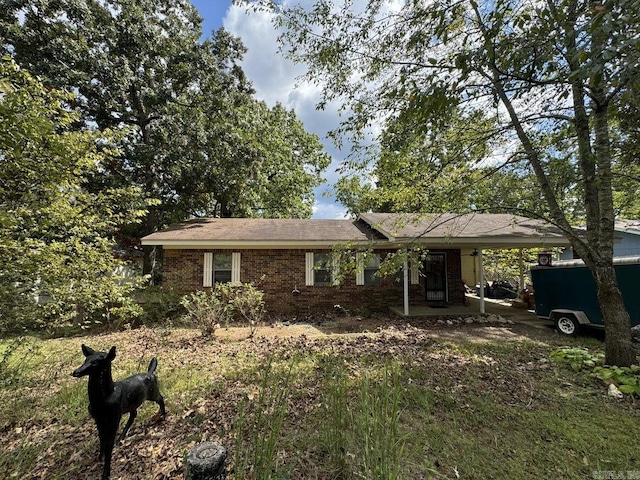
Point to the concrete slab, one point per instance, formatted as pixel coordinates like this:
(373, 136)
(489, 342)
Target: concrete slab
(492, 306)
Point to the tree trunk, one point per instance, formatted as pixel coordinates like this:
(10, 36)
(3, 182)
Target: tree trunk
(618, 347)
(619, 350)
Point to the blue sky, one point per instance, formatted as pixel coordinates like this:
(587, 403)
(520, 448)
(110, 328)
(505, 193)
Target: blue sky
(274, 79)
(213, 12)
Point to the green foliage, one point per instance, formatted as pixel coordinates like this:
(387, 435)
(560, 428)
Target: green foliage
(247, 306)
(198, 141)
(577, 357)
(205, 310)
(627, 379)
(247, 160)
(15, 356)
(160, 305)
(347, 260)
(223, 304)
(57, 262)
(512, 264)
(361, 415)
(258, 425)
(377, 423)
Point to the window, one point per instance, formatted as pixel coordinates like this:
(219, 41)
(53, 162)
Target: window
(221, 267)
(321, 269)
(371, 276)
(367, 274)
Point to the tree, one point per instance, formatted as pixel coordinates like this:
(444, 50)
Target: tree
(549, 77)
(196, 134)
(130, 62)
(446, 171)
(626, 146)
(246, 160)
(56, 238)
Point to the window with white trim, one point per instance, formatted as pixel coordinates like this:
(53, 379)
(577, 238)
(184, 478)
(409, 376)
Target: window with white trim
(223, 267)
(321, 268)
(367, 274)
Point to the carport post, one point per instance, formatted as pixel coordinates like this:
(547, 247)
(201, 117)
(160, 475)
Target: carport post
(405, 271)
(481, 275)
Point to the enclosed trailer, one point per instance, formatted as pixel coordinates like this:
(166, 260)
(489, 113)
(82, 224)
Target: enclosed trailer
(565, 292)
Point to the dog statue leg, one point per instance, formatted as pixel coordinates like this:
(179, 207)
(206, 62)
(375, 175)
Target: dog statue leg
(132, 417)
(110, 436)
(160, 402)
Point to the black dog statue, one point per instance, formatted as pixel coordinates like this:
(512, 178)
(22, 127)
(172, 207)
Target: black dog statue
(109, 400)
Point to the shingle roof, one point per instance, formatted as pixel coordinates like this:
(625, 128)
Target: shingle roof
(471, 230)
(264, 230)
(628, 226)
(448, 225)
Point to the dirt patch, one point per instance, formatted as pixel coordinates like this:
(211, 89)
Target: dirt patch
(452, 326)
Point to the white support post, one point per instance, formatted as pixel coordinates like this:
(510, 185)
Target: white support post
(481, 275)
(406, 287)
(521, 270)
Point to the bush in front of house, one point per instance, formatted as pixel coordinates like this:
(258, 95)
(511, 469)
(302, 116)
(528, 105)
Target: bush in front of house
(224, 304)
(160, 305)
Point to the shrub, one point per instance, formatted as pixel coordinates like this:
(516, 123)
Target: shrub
(248, 306)
(223, 304)
(577, 357)
(627, 379)
(159, 304)
(205, 310)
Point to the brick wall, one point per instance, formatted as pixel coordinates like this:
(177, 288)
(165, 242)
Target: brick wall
(284, 281)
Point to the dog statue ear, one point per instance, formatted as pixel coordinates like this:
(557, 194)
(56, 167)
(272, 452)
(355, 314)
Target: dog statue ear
(112, 353)
(88, 351)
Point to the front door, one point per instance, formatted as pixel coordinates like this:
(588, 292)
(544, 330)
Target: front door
(435, 272)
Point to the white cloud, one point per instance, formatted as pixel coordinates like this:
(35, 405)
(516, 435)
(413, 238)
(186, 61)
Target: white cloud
(329, 210)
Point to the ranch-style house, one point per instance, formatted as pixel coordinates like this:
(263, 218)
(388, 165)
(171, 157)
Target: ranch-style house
(296, 262)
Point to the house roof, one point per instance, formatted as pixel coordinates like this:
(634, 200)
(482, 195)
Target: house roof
(262, 231)
(445, 230)
(628, 226)
(490, 230)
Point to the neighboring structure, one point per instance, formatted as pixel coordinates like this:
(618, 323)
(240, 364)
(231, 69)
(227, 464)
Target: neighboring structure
(294, 261)
(626, 240)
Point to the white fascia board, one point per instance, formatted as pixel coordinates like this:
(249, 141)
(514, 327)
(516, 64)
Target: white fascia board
(487, 242)
(249, 244)
(453, 242)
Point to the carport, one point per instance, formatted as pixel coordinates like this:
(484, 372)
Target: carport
(471, 232)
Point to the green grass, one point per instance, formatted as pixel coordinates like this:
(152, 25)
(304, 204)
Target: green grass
(339, 408)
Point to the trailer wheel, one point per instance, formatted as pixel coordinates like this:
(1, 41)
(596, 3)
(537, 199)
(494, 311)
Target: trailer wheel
(567, 324)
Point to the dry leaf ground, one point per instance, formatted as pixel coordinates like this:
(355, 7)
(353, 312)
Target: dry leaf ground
(479, 401)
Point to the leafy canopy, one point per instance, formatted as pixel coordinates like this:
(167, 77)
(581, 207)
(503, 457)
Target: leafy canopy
(56, 237)
(199, 142)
